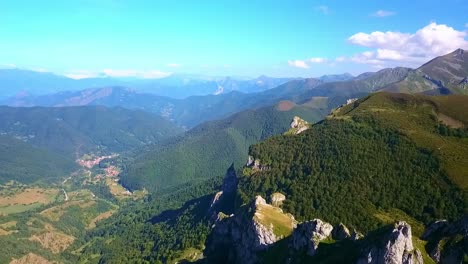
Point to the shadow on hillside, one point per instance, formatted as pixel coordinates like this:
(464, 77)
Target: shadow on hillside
(198, 207)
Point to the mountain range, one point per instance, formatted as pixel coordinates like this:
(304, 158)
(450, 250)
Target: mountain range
(22, 83)
(335, 169)
(191, 111)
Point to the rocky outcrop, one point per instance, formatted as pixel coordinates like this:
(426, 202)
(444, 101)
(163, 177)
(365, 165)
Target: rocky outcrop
(223, 198)
(277, 199)
(255, 164)
(230, 180)
(447, 242)
(215, 200)
(341, 232)
(253, 228)
(298, 125)
(395, 247)
(356, 235)
(307, 236)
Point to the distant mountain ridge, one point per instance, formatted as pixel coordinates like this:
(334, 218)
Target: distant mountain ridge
(447, 74)
(26, 82)
(193, 110)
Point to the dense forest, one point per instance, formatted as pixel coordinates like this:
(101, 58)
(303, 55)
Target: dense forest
(156, 230)
(207, 150)
(342, 167)
(72, 131)
(358, 161)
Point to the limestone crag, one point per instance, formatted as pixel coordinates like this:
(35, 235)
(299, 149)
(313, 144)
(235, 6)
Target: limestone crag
(277, 199)
(222, 199)
(298, 125)
(239, 237)
(307, 236)
(230, 180)
(447, 241)
(396, 247)
(341, 232)
(255, 164)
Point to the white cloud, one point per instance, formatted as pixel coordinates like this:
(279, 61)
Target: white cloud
(340, 59)
(8, 66)
(323, 9)
(383, 13)
(298, 64)
(149, 74)
(173, 65)
(81, 74)
(410, 48)
(318, 60)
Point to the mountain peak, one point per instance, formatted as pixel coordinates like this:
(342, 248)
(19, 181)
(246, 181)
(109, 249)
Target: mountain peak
(458, 52)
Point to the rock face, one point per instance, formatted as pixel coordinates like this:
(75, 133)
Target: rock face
(277, 199)
(395, 248)
(223, 200)
(447, 241)
(230, 180)
(255, 164)
(298, 125)
(341, 232)
(239, 237)
(307, 236)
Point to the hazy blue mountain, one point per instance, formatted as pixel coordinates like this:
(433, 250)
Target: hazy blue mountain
(17, 82)
(336, 77)
(194, 110)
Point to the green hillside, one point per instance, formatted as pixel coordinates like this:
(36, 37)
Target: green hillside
(24, 163)
(383, 152)
(73, 131)
(208, 150)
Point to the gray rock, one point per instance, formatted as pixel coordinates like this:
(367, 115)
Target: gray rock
(356, 235)
(436, 227)
(341, 232)
(299, 125)
(277, 199)
(396, 247)
(241, 236)
(308, 235)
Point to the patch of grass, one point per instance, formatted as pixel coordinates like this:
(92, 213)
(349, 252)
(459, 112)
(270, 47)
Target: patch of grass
(190, 255)
(18, 208)
(394, 215)
(421, 246)
(270, 216)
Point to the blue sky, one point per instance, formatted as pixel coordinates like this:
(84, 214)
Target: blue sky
(243, 38)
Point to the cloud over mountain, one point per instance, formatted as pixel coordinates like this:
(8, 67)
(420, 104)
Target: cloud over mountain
(413, 48)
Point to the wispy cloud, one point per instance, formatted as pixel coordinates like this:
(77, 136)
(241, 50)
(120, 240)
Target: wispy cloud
(323, 9)
(298, 64)
(148, 74)
(411, 49)
(173, 65)
(81, 74)
(8, 66)
(340, 59)
(383, 13)
(318, 60)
